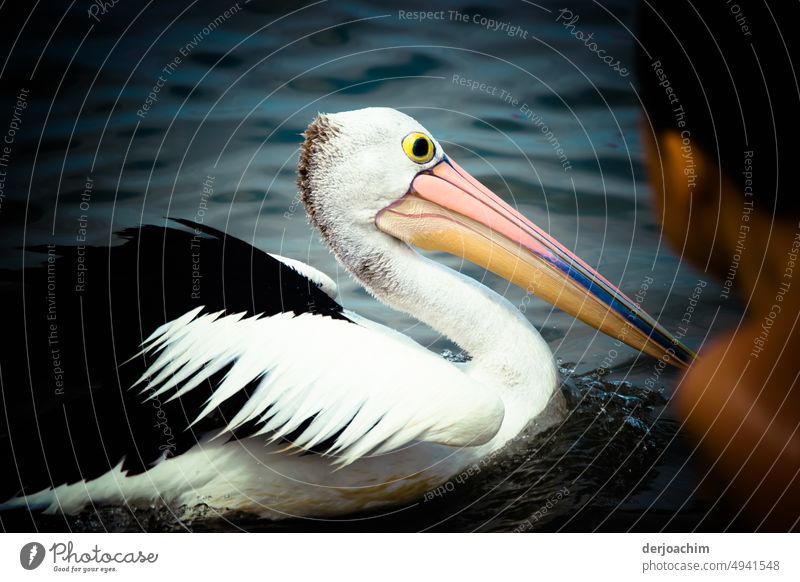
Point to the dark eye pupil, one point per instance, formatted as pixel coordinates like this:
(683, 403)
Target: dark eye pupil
(420, 147)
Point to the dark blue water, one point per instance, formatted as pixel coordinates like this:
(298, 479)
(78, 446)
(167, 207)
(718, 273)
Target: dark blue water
(146, 103)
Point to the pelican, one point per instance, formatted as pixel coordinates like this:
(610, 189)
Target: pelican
(193, 369)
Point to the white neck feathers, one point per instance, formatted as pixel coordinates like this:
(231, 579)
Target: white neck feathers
(508, 353)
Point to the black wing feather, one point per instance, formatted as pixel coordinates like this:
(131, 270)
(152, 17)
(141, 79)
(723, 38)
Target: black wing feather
(67, 412)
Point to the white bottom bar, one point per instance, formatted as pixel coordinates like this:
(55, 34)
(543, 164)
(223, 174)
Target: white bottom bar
(423, 557)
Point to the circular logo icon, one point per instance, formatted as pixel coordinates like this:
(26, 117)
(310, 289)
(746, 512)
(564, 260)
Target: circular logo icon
(31, 555)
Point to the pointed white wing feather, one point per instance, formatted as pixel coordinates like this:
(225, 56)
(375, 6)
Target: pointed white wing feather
(373, 391)
(320, 279)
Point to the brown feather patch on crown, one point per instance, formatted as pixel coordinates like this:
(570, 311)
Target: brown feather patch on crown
(317, 135)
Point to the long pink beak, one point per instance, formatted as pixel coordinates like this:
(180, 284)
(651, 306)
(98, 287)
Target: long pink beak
(448, 210)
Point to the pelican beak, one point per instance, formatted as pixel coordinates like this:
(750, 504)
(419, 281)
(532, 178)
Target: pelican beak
(448, 210)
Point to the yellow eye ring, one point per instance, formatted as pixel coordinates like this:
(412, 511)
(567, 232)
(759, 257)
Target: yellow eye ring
(418, 147)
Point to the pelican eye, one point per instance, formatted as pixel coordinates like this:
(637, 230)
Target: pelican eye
(418, 147)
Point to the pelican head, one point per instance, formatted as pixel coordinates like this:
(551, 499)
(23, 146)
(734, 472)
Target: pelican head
(375, 177)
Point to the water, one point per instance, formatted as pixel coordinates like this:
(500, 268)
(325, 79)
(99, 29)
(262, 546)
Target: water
(229, 108)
